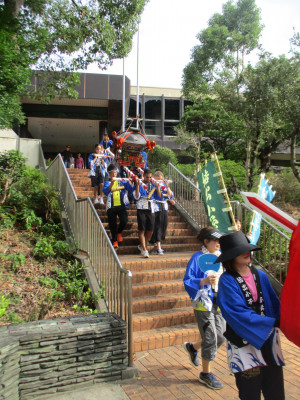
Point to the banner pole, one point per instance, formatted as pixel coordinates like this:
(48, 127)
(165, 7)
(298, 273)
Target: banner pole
(215, 159)
(253, 214)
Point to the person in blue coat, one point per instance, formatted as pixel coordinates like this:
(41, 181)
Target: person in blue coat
(251, 309)
(105, 142)
(116, 204)
(202, 288)
(146, 206)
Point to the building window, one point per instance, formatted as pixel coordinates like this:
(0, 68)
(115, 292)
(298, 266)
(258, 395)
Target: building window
(132, 108)
(153, 128)
(152, 107)
(169, 128)
(172, 109)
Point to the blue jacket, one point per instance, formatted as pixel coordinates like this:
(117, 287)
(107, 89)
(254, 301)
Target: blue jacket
(124, 196)
(242, 319)
(193, 276)
(109, 143)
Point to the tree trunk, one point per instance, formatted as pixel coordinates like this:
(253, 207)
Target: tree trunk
(248, 162)
(294, 165)
(14, 6)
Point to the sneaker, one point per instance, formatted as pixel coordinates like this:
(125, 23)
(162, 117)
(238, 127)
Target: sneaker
(140, 248)
(101, 201)
(189, 348)
(119, 237)
(160, 251)
(115, 244)
(210, 381)
(145, 254)
(96, 201)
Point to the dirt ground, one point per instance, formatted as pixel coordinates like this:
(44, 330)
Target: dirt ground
(29, 298)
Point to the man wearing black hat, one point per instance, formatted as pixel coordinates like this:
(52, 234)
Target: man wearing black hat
(116, 204)
(251, 309)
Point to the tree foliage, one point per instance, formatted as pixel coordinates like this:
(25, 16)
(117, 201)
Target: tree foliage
(61, 36)
(12, 168)
(159, 158)
(257, 107)
(220, 56)
(207, 125)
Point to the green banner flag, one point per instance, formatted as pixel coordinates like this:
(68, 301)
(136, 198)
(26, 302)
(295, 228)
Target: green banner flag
(215, 206)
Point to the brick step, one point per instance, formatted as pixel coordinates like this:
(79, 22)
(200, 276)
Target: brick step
(168, 248)
(165, 337)
(163, 318)
(169, 240)
(132, 217)
(134, 226)
(163, 275)
(152, 264)
(150, 303)
(157, 288)
(132, 212)
(132, 232)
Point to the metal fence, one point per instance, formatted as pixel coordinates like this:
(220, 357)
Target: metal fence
(91, 237)
(188, 196)
(275, 244)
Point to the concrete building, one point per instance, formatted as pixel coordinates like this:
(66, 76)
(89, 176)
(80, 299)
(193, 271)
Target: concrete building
(82, 122)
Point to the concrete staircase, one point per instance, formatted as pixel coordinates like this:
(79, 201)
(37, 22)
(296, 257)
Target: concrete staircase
(162, 312)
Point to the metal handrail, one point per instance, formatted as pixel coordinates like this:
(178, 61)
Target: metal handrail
(274, 257)
(188, 196)
(91, 237)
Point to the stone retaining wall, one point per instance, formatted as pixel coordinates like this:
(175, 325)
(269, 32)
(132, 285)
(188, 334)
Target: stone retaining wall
(41, 358)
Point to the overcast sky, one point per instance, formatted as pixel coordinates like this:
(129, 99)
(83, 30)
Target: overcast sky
(168, 32)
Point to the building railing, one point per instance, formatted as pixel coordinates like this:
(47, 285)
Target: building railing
(91, 237)
(275, 244)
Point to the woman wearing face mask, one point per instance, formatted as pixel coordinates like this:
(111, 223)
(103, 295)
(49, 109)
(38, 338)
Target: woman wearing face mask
(210, 322)
(251, 309)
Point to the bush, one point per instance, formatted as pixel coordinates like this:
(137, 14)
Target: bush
(187, 170)
(12, 167)
(286, 186)
(160, 157)
(234, 176)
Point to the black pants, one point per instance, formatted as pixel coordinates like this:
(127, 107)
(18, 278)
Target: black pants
(160, 228)
(112, 214)
(268, 380)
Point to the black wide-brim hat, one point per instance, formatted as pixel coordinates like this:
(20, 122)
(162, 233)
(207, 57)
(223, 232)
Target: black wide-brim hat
(233, 245)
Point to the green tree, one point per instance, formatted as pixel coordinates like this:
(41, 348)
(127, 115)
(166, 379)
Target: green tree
(291, 101)
(59, 36)
(207, 125)
(218, 63)
(160, 157)
(220, 56)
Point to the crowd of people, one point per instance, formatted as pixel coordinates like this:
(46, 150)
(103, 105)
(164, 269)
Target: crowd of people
(70, 161)
(117, 189)
(232, 300)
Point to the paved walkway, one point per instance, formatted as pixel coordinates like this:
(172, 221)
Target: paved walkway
(166, 374)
